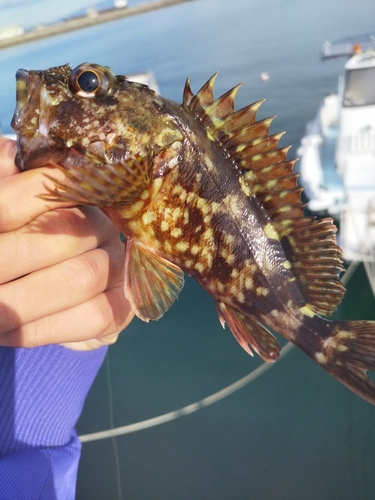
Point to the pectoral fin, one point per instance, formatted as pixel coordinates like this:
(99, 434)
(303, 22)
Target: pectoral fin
(249, 332)
(151, 283)
(92, 182)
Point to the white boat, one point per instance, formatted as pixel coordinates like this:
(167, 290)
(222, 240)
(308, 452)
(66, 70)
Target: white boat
(338, 153)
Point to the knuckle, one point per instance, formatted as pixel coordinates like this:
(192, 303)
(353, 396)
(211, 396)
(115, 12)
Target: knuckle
(84, 273)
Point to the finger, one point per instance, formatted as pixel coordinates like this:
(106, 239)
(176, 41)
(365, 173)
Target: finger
(8, 150)
(82, 327)
(59, 287)
(19, 198)
(54, 237)
(91, 344)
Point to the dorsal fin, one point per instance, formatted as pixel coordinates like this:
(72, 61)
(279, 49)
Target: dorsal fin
(267, 175)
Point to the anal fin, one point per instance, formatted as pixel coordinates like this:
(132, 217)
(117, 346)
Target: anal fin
(151, 283)
(249, 332)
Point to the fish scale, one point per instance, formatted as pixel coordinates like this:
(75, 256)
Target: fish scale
(202, 188)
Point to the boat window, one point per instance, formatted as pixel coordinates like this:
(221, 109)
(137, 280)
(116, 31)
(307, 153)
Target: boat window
(359, 88)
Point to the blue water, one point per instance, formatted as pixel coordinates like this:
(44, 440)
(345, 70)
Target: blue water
(295, 432)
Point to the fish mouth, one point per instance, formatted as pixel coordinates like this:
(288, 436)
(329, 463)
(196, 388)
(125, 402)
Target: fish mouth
(31, 122)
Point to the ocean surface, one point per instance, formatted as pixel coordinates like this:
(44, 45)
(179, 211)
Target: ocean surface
(294, 432)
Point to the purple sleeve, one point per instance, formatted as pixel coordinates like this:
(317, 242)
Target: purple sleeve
(42, 392)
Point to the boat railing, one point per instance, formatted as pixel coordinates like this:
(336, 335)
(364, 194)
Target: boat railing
(362, 142)
(357, 233)
(357, 230)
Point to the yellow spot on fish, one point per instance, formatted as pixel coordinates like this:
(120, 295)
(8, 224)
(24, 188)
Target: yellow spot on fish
(241, 297)
(307, 311)
(182, 246)
(342, 347)
(132, 210)
(186, 217)
(205, 209)
(145, 194)
(148, 217)
(343, 334)
(178, 189)
(271, 184)
(195, 249)
(176, 213)
(176, 232)
(262, 291)
(249, 283)
(270, 232)
(156, 187)
(201, 201)
(183, 196)
(287, 264)
(234, 273)
(208, 234)
(232, 202)
(330, 342)
(229, 239)
(250, 175)
(244, 187)
(164, 226)
(220, 286)
(230, 259)
(321, 358)
(190, 197)
(189, 263)
(209, 135)
(199, 267)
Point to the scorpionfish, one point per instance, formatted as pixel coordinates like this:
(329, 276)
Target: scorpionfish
(201, 188)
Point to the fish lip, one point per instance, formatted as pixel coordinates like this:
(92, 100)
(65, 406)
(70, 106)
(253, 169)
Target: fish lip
(21, 97)
(35, 147)
(21, 100)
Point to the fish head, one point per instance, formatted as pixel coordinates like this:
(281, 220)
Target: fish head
(72, 117)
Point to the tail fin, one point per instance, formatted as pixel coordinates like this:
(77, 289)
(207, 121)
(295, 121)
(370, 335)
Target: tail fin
(348, 353)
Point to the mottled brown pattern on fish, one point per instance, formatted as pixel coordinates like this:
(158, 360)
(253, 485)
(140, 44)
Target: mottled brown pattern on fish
(201, 188)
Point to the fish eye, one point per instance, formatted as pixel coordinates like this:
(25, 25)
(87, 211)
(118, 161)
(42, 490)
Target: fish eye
(90, 80)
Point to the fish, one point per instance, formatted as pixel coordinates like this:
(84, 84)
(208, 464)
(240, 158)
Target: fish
(199, 188)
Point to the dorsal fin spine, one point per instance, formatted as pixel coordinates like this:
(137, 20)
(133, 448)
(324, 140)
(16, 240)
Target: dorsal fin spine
(188, 94)
(204, 97)
(221, 107)
(240, 118)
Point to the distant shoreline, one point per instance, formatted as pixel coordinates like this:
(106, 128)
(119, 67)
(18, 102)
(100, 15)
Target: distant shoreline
(86, 21)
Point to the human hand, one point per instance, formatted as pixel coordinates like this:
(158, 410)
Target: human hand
(61, 267)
